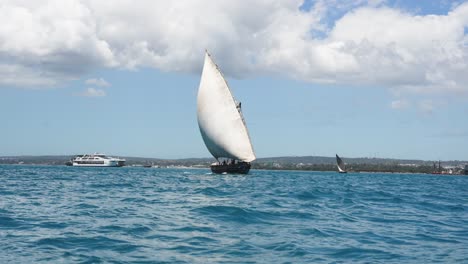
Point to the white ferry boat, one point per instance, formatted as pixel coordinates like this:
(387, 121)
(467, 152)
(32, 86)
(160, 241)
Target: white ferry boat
(97, 160)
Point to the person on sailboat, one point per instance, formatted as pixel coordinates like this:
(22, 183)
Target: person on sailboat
(239, 106)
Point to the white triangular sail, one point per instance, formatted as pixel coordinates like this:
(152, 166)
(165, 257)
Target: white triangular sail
(340, 164)
(219, 118)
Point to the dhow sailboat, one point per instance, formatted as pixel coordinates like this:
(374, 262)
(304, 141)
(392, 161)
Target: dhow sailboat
(221, 122)
(340, 164)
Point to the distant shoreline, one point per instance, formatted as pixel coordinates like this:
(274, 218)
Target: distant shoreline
(296, 163)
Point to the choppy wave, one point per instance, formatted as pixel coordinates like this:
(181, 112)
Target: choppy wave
(89, 215)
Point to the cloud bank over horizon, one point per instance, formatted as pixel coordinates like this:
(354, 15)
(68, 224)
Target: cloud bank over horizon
(367, 43)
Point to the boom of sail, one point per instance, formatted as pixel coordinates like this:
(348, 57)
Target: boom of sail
(220, 119)
(340, 164)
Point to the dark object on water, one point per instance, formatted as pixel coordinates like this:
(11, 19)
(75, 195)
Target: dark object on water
(340, 164)
(69, 163)
(240, 167)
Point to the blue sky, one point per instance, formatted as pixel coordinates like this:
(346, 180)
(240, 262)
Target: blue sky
(308, 83)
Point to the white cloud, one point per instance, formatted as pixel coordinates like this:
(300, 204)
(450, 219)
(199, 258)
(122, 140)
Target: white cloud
(369, 44)
(98, 82)
(414, 53)
(48, 42)
(92, 92)
(399, 104)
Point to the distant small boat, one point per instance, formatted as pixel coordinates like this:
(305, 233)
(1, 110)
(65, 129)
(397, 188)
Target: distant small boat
(221, 123)
(340, 164)
(147, 165)
(96, 160)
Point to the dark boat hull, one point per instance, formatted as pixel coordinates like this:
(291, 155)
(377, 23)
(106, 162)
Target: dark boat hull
(238, 168)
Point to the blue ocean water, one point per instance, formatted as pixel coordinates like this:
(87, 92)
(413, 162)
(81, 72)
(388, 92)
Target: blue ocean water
(146, 215)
